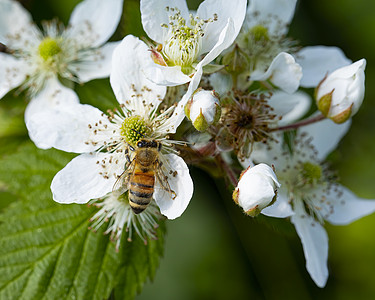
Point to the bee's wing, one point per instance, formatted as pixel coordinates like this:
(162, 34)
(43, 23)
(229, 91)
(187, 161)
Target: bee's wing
(162, 179)
(122, 181)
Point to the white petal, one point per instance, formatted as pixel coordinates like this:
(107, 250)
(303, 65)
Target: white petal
(315, 244)
(93, 22)
(97, 65)
(318, 61)
(12, 73)
(273, 14)
(172, 76)
(326, 135)
(67, 128)
(283, 72)
(179, 113)
(171, 124)
(80, 180)
(16, 25)
(127, 79)
(53, 96)
(281, 208)
(222, 83)
(224, 9)
(347, 207)
(181, 184)
(223, 42)
(266, 153)
(154, 14)
(167, 76)
(291, 107)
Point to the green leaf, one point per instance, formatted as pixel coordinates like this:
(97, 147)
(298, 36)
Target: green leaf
(47, 251)
(13, 131)
(130, 22)
(97, 93)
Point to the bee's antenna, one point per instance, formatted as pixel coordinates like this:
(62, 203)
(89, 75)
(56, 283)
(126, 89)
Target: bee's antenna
(136, 131)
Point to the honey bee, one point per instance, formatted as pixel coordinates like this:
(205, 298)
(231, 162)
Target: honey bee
(141, 173)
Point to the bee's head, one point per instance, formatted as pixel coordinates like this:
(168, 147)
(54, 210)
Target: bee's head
(148, 144)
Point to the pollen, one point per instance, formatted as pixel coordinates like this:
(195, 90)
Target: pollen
(133, 129)
(49, 48)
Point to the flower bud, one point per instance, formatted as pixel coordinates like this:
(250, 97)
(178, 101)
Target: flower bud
(203, 109)
(256, 189)
(341, 93)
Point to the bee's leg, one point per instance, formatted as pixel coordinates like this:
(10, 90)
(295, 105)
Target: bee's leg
(127, 156)
(163, 179)
(123, 179)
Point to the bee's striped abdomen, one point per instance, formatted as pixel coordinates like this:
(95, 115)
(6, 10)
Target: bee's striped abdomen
(141, 189)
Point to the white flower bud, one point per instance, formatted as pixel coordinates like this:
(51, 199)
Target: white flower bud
(203, 109)
(256, 189)
(341, 93)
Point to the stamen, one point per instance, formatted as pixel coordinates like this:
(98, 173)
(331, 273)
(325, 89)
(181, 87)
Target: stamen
(116, 211)
(133, 129)
(307, 180)
(183, 43)
(245, 120)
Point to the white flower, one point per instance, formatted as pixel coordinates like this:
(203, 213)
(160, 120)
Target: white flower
(308, 193)
(263, 39)
(341, 93)
(116, 211)
(317, 61)
(104, 140)
(36, 59)
(183, 38)
(289, 107)
(263, 35)
(256, 189)
(203, 109)
(283, 72)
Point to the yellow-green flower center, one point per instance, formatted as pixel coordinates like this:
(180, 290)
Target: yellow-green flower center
(183, 43)
(312, 173)
(48, 48)
(260, 33)
(133, 129)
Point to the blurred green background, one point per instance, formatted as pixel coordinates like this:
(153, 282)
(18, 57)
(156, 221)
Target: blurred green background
(215, 252)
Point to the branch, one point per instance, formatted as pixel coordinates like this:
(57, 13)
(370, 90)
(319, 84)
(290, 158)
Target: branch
(299, 124)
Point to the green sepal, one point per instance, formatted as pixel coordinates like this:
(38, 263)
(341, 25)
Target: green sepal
(217, 113)
(324, 103)
(235, 195)
(200, 122)
(253, 212)
(212, 68)
(188, 107)
(343, 116)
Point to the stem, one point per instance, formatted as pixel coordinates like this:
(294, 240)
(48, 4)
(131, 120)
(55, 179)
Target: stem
(227, 169)
(300, 124)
